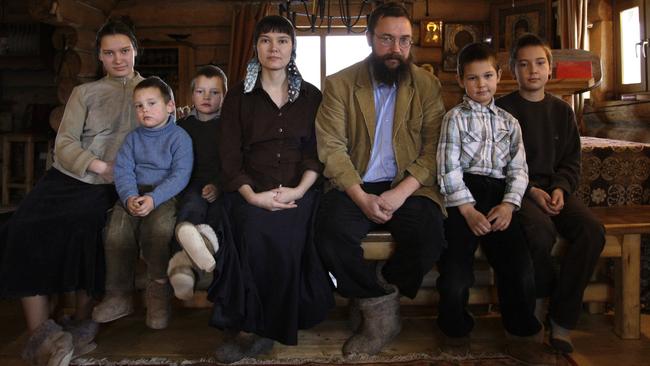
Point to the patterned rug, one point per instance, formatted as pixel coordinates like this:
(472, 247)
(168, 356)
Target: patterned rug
(418, 359)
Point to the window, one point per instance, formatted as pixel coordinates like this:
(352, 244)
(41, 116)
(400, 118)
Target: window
(632, 37)
(318, 56)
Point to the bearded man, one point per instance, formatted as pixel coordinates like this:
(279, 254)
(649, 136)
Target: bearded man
(377, 130)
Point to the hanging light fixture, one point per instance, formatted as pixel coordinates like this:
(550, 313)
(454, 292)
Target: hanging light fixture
(319, 15)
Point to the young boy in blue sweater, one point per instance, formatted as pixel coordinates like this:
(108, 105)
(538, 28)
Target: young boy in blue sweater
(152, 166)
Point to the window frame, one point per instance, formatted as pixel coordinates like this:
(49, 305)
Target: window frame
(323, 33)
(644, 63)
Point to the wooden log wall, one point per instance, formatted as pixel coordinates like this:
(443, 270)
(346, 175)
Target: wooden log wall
(75, 61)
(206, 22)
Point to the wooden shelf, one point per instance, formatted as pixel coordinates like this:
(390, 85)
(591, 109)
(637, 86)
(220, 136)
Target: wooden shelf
(171, 61)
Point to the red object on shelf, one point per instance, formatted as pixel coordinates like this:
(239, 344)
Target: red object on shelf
(573, 70)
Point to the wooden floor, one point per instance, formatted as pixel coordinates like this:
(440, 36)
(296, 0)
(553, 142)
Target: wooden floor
(189, 338)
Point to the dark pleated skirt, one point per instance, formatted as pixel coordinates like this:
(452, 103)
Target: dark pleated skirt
(269, 279)
(53, 242)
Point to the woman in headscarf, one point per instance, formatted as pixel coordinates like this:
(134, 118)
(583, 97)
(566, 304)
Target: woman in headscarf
(268, 279)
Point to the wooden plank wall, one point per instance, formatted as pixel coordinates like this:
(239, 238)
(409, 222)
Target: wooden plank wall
(207, 22)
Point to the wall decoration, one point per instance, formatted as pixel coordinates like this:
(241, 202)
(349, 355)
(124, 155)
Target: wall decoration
(457, 35)
(430, 33)
(527, 16)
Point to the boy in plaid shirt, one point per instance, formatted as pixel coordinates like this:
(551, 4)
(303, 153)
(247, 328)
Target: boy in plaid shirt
(483, 176)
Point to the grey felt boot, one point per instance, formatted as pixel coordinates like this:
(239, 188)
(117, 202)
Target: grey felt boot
(83, 334)
(116, 304)
(380, 324)
(354, 314)
(158, 302)
(48, 345)
(242, 345)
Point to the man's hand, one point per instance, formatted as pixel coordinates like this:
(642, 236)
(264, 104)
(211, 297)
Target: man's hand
(543, 200)
(393, 200)
(209, 192)
(373, 207)
(500, 216)
(476, 221)
(140, 206)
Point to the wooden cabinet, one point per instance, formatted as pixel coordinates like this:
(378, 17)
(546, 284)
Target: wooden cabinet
(171, 61)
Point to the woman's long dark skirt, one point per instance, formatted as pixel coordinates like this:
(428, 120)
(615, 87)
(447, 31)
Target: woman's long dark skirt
(53, 242)
(269, 279)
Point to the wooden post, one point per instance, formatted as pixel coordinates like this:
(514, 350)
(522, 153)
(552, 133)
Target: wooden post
(628, 271)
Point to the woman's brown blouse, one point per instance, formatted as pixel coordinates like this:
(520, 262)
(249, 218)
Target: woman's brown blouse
(266, 146)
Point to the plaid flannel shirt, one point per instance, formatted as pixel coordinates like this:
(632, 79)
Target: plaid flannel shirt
(481, 140)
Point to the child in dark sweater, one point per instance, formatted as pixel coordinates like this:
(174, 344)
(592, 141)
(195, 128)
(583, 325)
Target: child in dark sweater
(152, 166)
(552, 144)
(192, 252)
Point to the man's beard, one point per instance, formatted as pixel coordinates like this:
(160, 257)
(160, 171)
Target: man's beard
(383, 73)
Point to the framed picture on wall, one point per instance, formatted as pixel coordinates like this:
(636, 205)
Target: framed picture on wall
(430, 33)
(527, 16)
(456, 36)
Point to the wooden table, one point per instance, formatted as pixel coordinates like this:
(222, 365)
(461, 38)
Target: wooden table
(624, 226)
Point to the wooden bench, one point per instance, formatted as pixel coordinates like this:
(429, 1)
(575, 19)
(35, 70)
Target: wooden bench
(623, 226)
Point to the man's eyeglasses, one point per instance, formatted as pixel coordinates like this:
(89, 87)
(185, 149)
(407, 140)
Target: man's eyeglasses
(388, 41)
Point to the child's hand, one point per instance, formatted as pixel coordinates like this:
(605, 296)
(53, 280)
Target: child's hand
(476, 221)
(132, 205)
(145, 205)
(500, 216)
(557, 200)
(287, 195)
(209, 192)
(543, 200)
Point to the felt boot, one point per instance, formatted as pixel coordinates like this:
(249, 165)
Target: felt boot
(181, 276)
(83, 334)
(49, 345)
(380, 324)
(157, 300)
(116, 304)
(354, 314)
(242, 345)
(199, 242)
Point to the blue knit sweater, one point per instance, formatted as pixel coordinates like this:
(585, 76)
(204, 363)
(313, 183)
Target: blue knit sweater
(161, 158)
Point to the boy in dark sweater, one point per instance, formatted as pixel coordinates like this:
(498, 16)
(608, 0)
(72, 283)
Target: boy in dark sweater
(152, 166)
(552, 144)
(197, 206)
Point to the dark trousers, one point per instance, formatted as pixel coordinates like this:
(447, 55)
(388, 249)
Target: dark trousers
(586, 237)
(340, 226)
(506, 251)
(192, 207)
